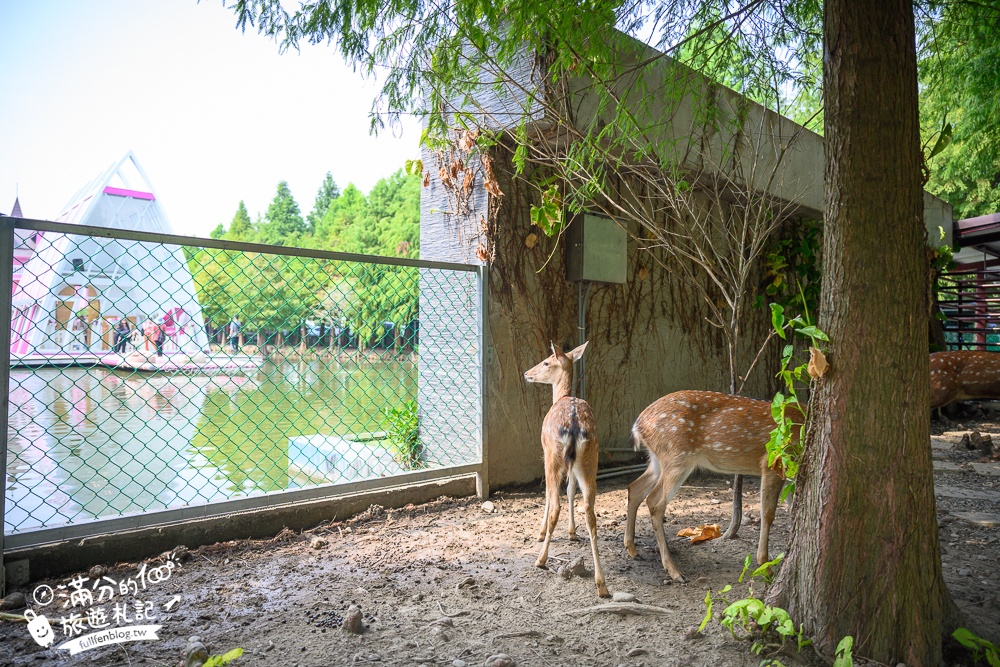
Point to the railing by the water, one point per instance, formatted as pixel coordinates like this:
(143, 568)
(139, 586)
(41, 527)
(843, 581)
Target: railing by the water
(154, 378)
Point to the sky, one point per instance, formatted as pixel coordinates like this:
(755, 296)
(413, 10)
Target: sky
(214, 116)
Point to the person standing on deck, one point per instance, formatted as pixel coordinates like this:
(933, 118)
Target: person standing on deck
(148, 332)
(235, 327)
(161, 337)
(122, 333)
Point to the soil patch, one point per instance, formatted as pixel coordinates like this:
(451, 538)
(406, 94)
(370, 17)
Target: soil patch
(448, 583)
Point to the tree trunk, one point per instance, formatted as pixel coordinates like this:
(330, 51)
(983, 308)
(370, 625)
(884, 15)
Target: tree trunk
(864, 557)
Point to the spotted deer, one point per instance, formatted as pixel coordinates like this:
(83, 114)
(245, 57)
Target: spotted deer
(569, 444)
(964, 374)
(701, 429)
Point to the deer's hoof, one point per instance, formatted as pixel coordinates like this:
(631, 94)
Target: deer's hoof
(632, 551)
(572, 536)
(602, 590)
(541, 562)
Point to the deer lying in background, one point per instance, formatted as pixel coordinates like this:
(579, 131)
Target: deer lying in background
(701, 429)
(569, 442)
(962, 375)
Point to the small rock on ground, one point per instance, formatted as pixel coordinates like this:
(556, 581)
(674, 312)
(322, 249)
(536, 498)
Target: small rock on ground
(575, 568)
(622, 596)
(13, 601)
(352, 621)
(500, 660)
(317, 543)
(488, 507)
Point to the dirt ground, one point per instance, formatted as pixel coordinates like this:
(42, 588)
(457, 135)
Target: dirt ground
(447, 583)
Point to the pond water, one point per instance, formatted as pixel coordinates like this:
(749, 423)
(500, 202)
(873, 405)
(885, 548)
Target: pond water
(90, 443)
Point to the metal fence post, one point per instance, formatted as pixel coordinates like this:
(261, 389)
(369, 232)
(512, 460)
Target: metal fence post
(483, 476)
(6, 289)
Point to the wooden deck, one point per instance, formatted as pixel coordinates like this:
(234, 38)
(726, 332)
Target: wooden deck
(176, 362)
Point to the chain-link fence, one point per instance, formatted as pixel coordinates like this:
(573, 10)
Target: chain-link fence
(151, 375)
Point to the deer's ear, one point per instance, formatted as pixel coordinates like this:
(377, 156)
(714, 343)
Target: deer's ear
(577, 352)
(556, 350)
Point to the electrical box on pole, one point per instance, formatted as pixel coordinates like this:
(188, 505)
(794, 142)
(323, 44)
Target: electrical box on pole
(596, 250)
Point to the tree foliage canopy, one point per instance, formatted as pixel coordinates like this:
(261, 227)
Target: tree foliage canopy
(960, 104)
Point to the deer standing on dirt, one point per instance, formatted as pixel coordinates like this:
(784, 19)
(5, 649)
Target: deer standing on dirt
(964, 374)
(701, 429)
(569, 443)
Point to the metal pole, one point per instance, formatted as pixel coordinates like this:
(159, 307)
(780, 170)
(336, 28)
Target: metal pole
(6, 290)
(483, 476)
(581, 328)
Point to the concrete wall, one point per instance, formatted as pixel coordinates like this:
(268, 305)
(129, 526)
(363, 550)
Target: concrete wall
(647, 337)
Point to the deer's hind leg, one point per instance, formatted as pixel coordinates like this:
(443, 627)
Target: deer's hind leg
(553, 479)
(670, 482)
(638, 491)
(585, 470)
(571, 496)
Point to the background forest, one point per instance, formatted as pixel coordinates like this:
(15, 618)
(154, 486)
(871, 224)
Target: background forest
(277, 296)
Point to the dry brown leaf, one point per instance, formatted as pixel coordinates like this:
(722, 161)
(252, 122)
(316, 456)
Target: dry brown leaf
(642, 274)
(444, 176)
(530, 240)
(427, 178)
(701, 533)
(467, 182)
(468, 140)
(483, 254)
(817, 363)
(489, 180)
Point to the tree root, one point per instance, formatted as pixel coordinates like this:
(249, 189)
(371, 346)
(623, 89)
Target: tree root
(622, 608)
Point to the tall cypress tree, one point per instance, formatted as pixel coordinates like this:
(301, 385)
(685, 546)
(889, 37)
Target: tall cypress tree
(327, 192)
(241, 228)
(283, 222)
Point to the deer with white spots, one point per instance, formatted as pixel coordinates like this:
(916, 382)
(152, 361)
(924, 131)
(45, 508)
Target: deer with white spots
(964, 374)
(701, 429)
(569, 443)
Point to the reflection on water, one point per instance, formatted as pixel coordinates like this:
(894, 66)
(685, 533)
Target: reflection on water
(88, 443)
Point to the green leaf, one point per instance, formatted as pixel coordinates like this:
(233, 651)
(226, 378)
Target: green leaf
(223, 660)
(747, 564)
(778, 319)
(413, 167)
(813, 332)
(966, 638)
(943, 140)
(844, 657)
(788, 490)
(708, 610)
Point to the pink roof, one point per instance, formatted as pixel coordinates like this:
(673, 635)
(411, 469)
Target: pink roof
(122, 192)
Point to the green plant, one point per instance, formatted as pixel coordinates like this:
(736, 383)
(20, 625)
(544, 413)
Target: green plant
(977, 644)
(549, 216)
(792, 269)
(844, 657)
(403, 424)
(223, 660)
(770, 628)
(784, 448)
(764, 571)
